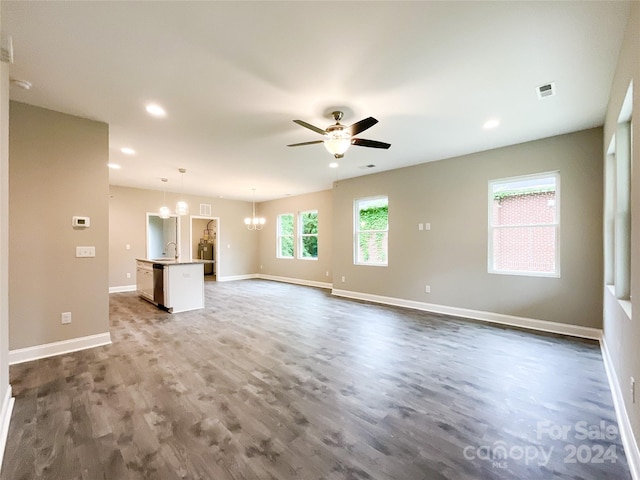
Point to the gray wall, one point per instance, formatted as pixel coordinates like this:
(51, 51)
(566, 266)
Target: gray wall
(320, 270)
(451, 195)
(621, 333)
(57, 169)
(127, 219)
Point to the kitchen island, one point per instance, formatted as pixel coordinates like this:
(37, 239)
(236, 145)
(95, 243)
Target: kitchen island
(172, 285)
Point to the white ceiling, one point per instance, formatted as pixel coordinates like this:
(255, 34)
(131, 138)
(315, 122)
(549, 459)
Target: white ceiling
(233, 75)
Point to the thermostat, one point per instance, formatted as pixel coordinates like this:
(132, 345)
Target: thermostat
(81, 221)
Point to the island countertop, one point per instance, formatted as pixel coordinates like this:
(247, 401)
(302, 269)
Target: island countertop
(171, 261)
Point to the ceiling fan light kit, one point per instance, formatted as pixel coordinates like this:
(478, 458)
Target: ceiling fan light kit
(339, 137)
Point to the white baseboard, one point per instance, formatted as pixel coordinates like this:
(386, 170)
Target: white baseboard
(297, 281)
(28, 354)
(123, 288)
(5, 420)
(233, 278)
(624, 424)
(490, 317)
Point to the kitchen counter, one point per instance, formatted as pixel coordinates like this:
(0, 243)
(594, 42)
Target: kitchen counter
(171, 261)
(172, 285)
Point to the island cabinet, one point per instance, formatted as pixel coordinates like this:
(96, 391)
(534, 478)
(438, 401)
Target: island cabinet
(174, 286)
(184, 286)
(144, 279)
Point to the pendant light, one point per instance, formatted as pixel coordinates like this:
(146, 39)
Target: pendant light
(253, 222)
(182, 207)
(165, 212)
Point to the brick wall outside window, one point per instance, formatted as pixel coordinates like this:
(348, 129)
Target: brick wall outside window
(525, 248)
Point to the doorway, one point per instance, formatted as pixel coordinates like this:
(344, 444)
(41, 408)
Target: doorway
(163, 236)
(203, 243)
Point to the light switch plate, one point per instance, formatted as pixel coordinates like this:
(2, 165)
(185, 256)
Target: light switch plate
(85, 251)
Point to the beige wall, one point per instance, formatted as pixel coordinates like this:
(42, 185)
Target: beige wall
(57, 169)
(319, 270)
(127, 218)
(621, 334)
(451, 195)
(4, 236)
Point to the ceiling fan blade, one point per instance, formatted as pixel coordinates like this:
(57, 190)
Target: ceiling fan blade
(361, 126)
(369, 143)
(310, 127)
(305, 143)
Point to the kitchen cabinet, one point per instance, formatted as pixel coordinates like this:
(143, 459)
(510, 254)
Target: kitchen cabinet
(144, 279)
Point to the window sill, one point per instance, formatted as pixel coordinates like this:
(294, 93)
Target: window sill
(525, 274)
(624, 304)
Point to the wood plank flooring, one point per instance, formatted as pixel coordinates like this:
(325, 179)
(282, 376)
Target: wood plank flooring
(277, 381)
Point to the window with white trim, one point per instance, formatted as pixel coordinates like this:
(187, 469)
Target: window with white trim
(308, 234)
(371, 227)
(617, 231)
(524, 225)
(285, 234)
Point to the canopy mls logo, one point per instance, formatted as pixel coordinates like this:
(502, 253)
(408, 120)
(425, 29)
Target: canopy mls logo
(583, 443)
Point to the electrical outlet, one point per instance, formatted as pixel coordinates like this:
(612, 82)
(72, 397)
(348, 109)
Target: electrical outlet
(427, 289)
(343, 279)
(427, 226)
(127, 247)
(326, 274)
(65, 318)
(633, 389)
(128, 275)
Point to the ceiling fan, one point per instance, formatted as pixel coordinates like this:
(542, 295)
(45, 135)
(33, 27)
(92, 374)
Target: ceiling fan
(339, 137)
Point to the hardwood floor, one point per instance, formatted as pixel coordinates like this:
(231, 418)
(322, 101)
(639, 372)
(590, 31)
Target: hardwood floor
(277, 381)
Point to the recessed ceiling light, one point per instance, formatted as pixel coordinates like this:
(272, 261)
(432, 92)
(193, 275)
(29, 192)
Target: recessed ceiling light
(115, 166)
(156, 110)
(128, 151)
(489, 124)
(333, 164)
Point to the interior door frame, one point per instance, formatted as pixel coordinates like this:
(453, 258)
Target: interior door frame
(178, 230)
(216, 256)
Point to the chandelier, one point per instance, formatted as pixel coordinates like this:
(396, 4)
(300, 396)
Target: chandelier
(253, 222)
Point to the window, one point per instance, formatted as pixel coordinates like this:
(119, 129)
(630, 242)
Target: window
(617, 232)
(308, 234)
(371, 231)
(524, 223)
(285, 236)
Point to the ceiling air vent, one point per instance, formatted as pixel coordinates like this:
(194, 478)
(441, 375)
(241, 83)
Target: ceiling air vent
(546, 90)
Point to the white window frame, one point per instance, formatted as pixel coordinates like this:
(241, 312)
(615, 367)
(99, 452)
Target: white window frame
(356, 230)
(279, 236)
(303, 235)
(618, 211)
(556, 224)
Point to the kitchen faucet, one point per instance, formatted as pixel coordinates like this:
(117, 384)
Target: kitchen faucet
(175, 247)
